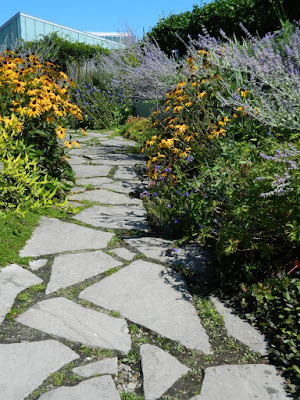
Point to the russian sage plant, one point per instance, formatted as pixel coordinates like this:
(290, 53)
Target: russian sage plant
(260, 75)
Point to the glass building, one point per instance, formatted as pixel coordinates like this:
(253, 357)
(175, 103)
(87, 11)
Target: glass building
(28, 28)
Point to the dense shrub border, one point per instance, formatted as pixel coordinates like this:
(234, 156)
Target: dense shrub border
(259, 16)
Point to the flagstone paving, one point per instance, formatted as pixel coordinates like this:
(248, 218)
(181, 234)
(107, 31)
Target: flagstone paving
(103, 299)
(62, 317)
(160, 371)
(106, 197)
(67, 268)
(13, 280)
(108, 366)
(155, 297)
(24, 366)
(92, 389)
(54, 236)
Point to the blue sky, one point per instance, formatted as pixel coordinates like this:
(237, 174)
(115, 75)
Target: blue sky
(99, 15)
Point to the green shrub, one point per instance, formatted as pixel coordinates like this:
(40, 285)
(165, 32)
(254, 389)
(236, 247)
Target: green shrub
(137, 128)
(61, 51)
(258, 16)
(21, 187)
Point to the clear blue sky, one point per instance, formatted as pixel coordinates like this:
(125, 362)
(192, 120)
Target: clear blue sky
(99, 15)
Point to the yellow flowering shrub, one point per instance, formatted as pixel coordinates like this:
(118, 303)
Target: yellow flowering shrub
(36, 95)
(188, 121)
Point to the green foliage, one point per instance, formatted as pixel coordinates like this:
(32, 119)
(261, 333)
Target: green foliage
(22, 188)
(258, 16)
(137, 128)
(61, 51)
(14, 231)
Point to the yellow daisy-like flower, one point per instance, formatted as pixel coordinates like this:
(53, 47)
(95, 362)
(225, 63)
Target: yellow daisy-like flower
(75, 144)
(60, 132)
(83, 131)
(188, 104)
(177, 109)
(181, 128)
(167, 108)
(201, 95)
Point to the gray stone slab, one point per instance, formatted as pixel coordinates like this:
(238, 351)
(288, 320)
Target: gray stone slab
(241, 329)
(97, 182)
(101, 157)
(27, 365)
(118, 217)
(105, 197)
(62, 317)
(69, 269)
(13, 280)
(75, 160)
(91, 389)
(122, 187)
(126, 173)
(191, 256)
(108, 366)
(242, 382)
(90, 171)
(37, 264)
(77, 189)
(118, 142)
(55, 236)
(155, 297)
(160, 371)
(122, 252)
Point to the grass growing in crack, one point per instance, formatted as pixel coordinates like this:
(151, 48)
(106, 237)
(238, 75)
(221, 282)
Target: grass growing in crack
(112, 172)
(112, 271)
(25, 300)
(115, 314)
(131, 358)
(210, 318)
(131, 396)
(115, 241)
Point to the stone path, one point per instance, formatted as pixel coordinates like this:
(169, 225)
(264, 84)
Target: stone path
(100, 311)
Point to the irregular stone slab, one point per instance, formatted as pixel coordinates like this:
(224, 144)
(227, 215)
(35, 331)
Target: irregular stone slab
(122, 187)
(77, 189)
(118, 142)
(55, 236)
(160, 371)
(241, 329)
(102, 157)
(37, 264)
(97, 182)
(75, 160)
(242, 382)
(89, 171)
(105, 197)
(126, 173)
(62, 317)
(108, 366)
(155, 297)
(124, 253)
(69, 269)
(13, 280)
(91, 389)
(118, 217)
(191, 256)
(27, 365)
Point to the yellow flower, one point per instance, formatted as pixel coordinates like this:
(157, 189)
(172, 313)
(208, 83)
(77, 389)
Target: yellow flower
(181, 128)
(244, 93)
(60, 132)
(75, 144)
(167, 108)
(83, 131)
(67, 144)
(201, 95)
(181, 85)
(195, 84)
(177, 109)
(188, 104)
